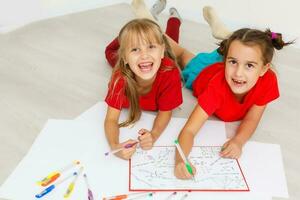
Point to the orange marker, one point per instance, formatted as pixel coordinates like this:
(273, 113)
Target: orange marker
(55, 175)
(125, 196)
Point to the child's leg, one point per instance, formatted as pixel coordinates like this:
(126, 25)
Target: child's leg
(197, 64)
(218, 29)
(183, 56)
(140, 9)
(173, 24)
(111, 52)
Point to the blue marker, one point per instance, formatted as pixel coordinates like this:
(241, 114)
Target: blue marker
(52, 187)
(45, 191)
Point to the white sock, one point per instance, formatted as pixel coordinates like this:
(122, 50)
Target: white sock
(158, 7)
(218, 29)
(140, 10)
(174, 13)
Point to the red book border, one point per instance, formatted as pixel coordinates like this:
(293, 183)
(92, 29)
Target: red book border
(188, 190)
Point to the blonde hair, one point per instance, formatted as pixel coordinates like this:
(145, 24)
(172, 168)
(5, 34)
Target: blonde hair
(130, 35)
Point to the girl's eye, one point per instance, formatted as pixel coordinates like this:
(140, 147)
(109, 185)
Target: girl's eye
(250, 66)
(232, 62)
(151, 46)
(134, 49)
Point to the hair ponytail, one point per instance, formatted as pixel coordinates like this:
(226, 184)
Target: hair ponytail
(277, 40)
(266, 41)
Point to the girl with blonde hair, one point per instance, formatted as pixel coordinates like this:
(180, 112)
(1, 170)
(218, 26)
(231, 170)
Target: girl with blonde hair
(145, 77)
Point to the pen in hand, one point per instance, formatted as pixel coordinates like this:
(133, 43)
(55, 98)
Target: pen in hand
(120, 149)
(188, 166)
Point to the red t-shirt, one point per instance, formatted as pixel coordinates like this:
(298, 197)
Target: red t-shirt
(215, 96)
(164, 95)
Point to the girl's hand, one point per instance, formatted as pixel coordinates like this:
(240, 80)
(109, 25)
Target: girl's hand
(181, 171)
(146, 139)
(232, 149)
(125, 153)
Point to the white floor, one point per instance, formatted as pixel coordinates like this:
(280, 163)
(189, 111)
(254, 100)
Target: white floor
(56, 69)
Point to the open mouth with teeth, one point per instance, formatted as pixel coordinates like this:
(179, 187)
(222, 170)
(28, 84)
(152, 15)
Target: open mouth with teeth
(238, 83)
(146, 67)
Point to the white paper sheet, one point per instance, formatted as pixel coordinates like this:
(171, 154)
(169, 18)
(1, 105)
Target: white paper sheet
(154, 170)
(59, 143)
(62, 141)
(212, 133)
(262, 165)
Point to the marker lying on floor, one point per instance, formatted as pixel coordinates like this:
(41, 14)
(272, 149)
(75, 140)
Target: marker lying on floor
(52, 187)
(55, 175)
(72, 184)
(90, 193)
(184, 196)
(126, 196)
(171, 195)
(142, 196)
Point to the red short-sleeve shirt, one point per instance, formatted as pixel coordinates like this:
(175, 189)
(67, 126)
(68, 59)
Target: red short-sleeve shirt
(165, 93)
(215, 96)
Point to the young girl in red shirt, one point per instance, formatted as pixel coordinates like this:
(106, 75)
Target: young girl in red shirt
(237, 88)
(145, 77)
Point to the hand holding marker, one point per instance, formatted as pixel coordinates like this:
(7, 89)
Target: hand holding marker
(56, 174)
(188, 166)
(127, 146)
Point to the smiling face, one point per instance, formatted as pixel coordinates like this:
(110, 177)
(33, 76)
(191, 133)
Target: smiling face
(243, 67)
(144, 58)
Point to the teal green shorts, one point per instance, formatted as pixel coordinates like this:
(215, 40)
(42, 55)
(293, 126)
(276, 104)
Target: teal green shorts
(197, 64)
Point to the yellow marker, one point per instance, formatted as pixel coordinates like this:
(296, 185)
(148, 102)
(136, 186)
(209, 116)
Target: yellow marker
(72, 184)
(69, 190)
(55, 175)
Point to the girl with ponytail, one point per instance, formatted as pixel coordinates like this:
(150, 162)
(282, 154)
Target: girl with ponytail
(234, 82)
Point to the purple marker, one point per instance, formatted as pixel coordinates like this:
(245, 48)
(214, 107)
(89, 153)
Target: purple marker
(127, 146)
(90, 193)
(171, 195)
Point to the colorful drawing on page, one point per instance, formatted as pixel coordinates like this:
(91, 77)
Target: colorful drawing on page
(157, 174)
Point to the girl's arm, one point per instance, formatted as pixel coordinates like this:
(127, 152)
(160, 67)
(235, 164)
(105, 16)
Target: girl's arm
(233, 148)
(186, 140)
(111, 128)
(161, 121)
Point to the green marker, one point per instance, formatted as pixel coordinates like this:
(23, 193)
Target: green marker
(188, 166)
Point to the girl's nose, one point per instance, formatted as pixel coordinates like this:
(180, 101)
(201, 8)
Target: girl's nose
(144, 53)
(239, 71)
